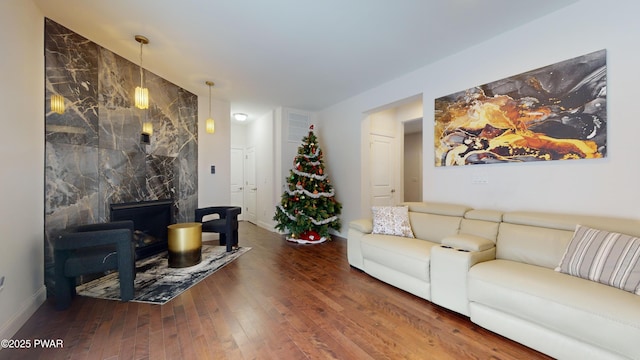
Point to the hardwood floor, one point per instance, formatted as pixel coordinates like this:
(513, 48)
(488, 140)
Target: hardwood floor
(278, 301)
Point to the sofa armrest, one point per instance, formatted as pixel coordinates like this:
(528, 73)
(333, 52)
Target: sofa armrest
(364, 226)
(468, 242)
(449, 268)
(357, 230)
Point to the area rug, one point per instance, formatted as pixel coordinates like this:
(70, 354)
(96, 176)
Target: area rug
(156, 282)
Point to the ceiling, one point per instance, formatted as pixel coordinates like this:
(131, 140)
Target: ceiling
(304, 54)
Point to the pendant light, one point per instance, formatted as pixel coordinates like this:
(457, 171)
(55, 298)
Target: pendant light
(210, 125)
(142, 93)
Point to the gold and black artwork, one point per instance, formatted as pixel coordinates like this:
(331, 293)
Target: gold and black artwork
(557, 112)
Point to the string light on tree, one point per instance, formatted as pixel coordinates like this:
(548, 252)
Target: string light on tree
(308, 207)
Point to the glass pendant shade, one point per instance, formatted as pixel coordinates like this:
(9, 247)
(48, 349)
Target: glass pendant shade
(210, 126)
(142, 93)
(142, 98)
(147, 128)
(57, 104)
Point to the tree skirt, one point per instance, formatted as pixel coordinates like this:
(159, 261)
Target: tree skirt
(156, 282)
(308, 237)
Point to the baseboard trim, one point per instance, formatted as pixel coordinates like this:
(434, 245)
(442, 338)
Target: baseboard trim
(267, 226)
(30, 306)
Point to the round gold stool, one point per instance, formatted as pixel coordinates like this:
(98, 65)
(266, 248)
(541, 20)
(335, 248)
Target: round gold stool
(185, 244)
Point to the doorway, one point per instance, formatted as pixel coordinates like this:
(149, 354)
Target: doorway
(393, 155)
(383, 170)
(413, 157)
(237, 179)
(250, 186)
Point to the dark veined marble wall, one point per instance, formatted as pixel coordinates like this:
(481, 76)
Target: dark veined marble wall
(93, 151)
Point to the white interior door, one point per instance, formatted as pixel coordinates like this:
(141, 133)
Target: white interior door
(251, 187)
(383, 170)
(237, 179)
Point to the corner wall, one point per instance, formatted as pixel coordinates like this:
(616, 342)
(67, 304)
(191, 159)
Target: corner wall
(600, 186)
(22, 175)
(214, 149)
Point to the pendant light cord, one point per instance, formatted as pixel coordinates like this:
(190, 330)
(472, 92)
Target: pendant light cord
(141, 76)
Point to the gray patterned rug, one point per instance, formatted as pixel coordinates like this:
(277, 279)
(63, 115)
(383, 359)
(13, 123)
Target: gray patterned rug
(156, 283)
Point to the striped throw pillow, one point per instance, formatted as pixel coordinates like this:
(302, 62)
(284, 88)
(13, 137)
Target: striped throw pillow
(606, 257)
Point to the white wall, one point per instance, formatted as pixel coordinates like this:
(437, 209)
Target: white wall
(410, 111)
(602, 186)
(238, 135)
(384, 123)
(22, 174)
(214, 149)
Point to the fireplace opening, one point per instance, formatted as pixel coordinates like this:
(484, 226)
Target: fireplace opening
(150, 221)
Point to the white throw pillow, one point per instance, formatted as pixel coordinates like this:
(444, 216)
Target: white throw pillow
(606, 257)
(392, 220)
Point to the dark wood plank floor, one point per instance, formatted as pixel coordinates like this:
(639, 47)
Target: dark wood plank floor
(278, 301)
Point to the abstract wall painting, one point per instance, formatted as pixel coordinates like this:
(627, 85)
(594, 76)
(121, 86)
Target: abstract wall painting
(557, 112)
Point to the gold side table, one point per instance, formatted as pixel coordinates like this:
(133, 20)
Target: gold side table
(185, 244)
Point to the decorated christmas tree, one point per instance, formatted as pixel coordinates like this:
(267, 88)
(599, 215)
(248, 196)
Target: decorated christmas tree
(308, 208)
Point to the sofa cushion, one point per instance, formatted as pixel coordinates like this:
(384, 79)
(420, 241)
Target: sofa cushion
(482, 223)
(578, 308)
(532, 244)
(606, 257)
(433, 221)
(405, 255)
(391, 220)
(433, 227)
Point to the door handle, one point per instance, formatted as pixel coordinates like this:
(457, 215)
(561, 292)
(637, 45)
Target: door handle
(393, 190)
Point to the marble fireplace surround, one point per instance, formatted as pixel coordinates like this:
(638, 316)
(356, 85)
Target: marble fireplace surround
(93, 153)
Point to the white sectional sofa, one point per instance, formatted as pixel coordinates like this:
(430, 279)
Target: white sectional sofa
(499, 269)
(400, 261)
